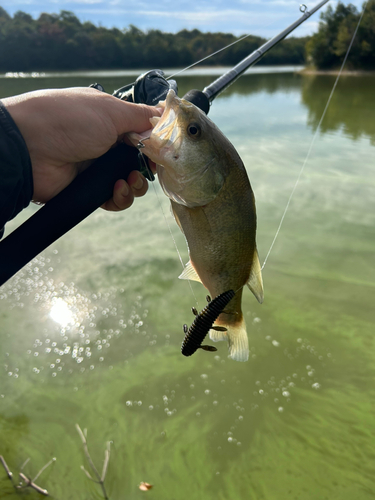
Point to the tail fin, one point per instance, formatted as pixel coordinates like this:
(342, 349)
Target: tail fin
(236, 335)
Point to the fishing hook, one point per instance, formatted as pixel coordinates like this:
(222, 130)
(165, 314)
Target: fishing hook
(140, 144)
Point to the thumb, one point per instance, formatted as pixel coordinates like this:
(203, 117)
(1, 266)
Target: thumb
(131, 117)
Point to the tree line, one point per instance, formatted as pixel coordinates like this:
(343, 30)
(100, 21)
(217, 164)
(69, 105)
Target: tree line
(62, 42)
(327, 48)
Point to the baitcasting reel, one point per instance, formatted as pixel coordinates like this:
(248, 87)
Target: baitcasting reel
(149, 88)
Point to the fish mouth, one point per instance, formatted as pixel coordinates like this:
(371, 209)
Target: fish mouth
(166, 130)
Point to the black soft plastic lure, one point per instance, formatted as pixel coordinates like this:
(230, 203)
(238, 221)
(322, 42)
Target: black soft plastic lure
(203, 322)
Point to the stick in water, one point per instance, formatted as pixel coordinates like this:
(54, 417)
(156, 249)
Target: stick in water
(99, 478)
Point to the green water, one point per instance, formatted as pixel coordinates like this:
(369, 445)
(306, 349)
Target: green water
(91, 330)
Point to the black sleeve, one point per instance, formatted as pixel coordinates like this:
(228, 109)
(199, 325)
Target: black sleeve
(16, 180)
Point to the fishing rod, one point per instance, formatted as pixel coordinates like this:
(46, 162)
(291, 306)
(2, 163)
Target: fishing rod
(223, 82)
(94, 186)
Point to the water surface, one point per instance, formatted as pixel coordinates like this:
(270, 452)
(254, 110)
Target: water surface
(91, 330)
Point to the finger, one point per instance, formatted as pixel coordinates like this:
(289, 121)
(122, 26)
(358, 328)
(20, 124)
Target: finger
(123, 197)
(131, 117)
(138, 183)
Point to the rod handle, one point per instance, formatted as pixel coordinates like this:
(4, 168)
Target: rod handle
(84, 195)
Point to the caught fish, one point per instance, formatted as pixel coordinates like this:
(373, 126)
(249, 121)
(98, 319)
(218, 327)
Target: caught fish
(213, 204)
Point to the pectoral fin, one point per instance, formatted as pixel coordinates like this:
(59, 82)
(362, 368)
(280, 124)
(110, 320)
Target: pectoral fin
(255, 282)
(189, 273)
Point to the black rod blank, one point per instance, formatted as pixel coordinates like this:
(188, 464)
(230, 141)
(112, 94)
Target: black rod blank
(223, 82)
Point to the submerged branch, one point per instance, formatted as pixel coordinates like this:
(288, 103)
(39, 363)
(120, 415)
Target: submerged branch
(9, 474)
(24, 464)
(28, 483)
(44, 468)
(99, 479)
(107, 454)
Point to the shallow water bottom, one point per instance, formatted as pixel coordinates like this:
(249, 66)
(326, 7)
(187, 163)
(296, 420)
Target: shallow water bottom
(296, 421)
(91, 330)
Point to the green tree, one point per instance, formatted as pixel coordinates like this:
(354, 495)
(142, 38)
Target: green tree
(50, 42)
(69, 23)
(107, 52)
(61, 41)
(327, 48)
(366, 38)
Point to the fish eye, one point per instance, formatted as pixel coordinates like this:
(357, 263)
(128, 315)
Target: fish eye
(194, 130)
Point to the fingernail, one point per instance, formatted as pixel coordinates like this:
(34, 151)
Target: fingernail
(138, 184)
(125, 190)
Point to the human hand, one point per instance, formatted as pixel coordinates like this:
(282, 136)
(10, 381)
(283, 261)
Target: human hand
(66, 129)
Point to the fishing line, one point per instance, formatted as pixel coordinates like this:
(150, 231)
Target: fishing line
(210, 55)
(167, 223)
(315, 136)
(227, 46)
(217, 52)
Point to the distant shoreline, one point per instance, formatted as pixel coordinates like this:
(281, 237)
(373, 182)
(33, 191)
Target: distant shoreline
(178, 71)
(335, 72)
(135, 72)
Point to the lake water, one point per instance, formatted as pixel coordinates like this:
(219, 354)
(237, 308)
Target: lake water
(91, 330)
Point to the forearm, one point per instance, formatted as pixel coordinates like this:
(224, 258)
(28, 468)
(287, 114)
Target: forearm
(16, 180)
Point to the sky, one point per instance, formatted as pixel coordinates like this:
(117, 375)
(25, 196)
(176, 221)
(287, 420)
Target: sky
(259, 17)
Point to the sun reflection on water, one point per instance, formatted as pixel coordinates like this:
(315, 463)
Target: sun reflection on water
(61, 313)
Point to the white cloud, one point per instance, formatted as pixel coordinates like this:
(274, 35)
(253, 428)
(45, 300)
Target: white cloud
(285, 3)
(259, 17)
(209, 15)
(86, 2)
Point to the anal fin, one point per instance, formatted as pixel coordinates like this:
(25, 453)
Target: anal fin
(236, 336)
(218, 336)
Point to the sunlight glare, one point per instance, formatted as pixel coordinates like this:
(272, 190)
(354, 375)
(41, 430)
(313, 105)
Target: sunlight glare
(61, 313)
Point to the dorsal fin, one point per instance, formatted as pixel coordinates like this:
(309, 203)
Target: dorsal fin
(255, 282)
(189, 273)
